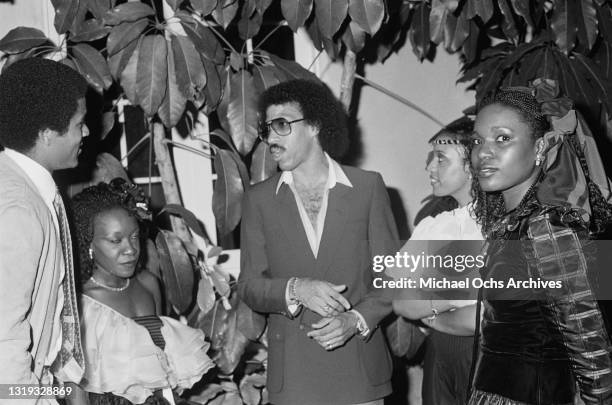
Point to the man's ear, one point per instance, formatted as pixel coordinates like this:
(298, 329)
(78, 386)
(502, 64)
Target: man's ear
(45, 136)
(313, 129)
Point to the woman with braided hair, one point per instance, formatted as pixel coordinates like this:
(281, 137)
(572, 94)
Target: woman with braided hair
(132, 354)
(540, 206)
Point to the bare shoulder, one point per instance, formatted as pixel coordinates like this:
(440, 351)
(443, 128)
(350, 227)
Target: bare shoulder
(151, 284)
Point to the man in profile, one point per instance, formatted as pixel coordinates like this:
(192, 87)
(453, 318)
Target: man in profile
(42, 112)
(309, 234)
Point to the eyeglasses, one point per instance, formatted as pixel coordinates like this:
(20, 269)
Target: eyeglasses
(281, 126)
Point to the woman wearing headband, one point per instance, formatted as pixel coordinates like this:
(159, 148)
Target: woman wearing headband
(448, 352)
(541, 205)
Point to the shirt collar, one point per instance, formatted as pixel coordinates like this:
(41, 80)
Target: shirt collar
(38, 174)
(335, 175)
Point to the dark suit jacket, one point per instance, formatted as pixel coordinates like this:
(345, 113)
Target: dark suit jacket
(358, 225)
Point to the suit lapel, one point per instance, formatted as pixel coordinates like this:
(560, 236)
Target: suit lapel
(291, 223)
(335, 221)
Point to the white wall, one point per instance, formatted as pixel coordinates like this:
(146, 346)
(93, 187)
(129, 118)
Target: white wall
(28, 13)
(393, 135)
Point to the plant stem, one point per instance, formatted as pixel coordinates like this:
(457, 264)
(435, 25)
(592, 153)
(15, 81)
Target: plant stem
(222, 38)
(133, 148)
(348, 78)
(260, 43)
(399, 98)
(187, 148)
(169, 184)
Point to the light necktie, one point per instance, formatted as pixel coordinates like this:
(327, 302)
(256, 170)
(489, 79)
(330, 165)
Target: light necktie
(69, 364)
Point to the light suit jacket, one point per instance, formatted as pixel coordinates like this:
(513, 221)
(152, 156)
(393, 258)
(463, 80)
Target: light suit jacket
(30, 260)
(274, 247)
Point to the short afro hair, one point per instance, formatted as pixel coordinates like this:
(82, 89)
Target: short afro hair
(37, 94)
(319, 107)
(91, 202)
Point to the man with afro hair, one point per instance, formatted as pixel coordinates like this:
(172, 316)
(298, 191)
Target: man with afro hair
(42, 111)
(308, 237)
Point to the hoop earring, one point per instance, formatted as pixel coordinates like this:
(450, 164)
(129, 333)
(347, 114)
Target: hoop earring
(91, 254)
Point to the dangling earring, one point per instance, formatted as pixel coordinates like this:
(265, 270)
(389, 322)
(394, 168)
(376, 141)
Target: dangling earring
(90, 253)
(538, 160)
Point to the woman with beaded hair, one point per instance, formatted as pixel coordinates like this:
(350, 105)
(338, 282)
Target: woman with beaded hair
(540, 207)
(132, 354)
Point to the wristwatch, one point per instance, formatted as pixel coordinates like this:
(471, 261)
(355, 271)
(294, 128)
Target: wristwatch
(362, 328)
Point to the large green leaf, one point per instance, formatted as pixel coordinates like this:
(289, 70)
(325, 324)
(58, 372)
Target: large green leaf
(368, 14)
(129, 74)
(289, 69)
(564, 25)
(214, 83)
(589, 71)
(248, 27)
(228, 191)
(296, 12)
(227, 343)
(9, 59)
(173, 104)
(460, 31)
(419, 31)
(177, 270)
(604, 17)
(470, 46)
(118, 61)
(189, 217)
(329, 15)
(508, 24)
(603, 59)
(225, 12)
(123, 34)
(99, 8)
(21, 39)
(131, 11)
(354, 37)
(481, 8)
(223, 136)
(521, 7)
(262, 164)
(90, 30)
(205, 42)
(262, 5)
(238, 110)
(93, 66)
(437, 20)
(264, 77)
(206, 294)
(191, 76)
(65, 13)
(588, 23)
(174, 4)
(251, 389)
(79, 18)
(204, 6)
(152, 73)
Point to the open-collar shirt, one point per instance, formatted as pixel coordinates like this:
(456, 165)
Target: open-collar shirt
(335, 175)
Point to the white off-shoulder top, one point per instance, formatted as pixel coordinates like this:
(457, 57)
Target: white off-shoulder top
(120, 356)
